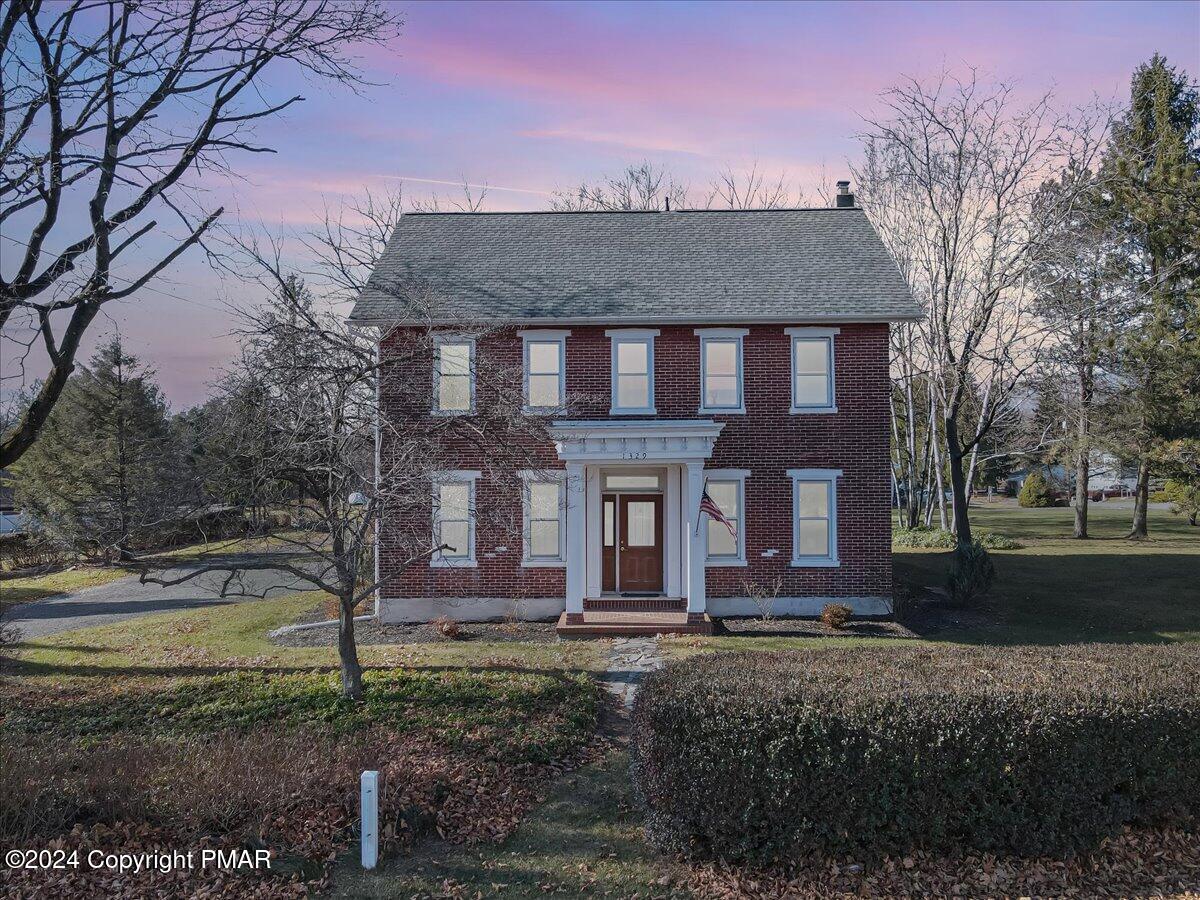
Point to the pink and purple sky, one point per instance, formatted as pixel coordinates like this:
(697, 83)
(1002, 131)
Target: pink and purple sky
(530, 97)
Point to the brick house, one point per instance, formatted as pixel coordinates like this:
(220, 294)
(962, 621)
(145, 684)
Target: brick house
(742, 353)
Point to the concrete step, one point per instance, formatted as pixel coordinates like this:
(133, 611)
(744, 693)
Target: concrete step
(606, 623)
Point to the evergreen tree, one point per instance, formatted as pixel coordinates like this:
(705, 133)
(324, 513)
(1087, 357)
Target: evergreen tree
(1152, 171)
(104, 475)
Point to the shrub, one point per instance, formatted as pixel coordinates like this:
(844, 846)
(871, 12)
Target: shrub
(971, 573)
(1184, 497)
(1035, 491)
(764, 756)
(932, 538)
(836, 615)
(447, 627)
(764, 595)
(992, 541)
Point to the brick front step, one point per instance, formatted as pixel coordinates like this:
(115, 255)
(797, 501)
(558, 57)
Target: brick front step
(602, 623)
(634, 604)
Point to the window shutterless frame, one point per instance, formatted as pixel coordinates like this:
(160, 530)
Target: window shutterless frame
(453, 375)
(632, 371)
(723, 486)
(813, 370)
(454, 519)
(544, 512)
(544, 353)
(814, 518)
(721, 370)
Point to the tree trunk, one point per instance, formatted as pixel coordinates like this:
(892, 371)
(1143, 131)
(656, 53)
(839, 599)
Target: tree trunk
(1192, 518)
(1141, 500)
(348, 652)
(1082, 472)
(958, 485)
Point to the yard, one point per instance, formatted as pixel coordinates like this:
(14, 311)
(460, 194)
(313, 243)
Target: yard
(164, 681)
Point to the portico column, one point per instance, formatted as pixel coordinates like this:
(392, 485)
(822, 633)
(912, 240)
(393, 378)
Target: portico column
(695, 542)
(576, 544)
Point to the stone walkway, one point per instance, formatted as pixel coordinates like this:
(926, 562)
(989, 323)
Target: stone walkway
(629, 660)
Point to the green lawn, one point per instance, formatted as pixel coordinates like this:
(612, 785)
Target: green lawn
(1055, 590)
(219, 638)
(1060, 590)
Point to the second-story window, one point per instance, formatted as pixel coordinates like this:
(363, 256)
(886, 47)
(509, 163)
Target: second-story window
(813, 370)
(721, 369)
(633, 370)
(453, 375)
(545, 369)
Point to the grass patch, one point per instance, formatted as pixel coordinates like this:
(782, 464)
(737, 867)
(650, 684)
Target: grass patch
(585, 840)
(220, 637)
(529, 716)
(14, 591)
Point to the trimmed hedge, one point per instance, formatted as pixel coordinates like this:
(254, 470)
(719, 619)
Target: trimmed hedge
(765, 756)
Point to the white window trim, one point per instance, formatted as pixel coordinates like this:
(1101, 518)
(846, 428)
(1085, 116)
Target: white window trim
(540, 476)
(830, 476)
(640, 336)
(545, 336)
(795, 334)
(734, 335)
(740, 476)
(461, 476)
(438, 341)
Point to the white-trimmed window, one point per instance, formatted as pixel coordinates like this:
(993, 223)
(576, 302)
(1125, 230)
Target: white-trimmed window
(632, 370)
(454, 375)
(454, 519)
(814, 517)
(545, 504)
(727, 488)
(721, 370)
(813, 370)
(545, 353)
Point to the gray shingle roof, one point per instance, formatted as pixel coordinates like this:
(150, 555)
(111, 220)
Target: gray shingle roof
(794, 265)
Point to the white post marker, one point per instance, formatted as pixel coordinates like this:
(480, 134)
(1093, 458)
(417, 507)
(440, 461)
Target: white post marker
(370, 819)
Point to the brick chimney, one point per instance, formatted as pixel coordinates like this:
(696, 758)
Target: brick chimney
(845, 199)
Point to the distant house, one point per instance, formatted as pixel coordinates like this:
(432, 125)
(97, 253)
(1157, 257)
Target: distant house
(1107, 476)
(733, 356)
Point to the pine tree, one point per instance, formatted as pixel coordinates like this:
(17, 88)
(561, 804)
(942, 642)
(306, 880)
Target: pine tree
(1152, 170)
(103, 476)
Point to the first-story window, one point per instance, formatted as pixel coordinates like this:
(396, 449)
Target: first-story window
(453, 368)
(545, 369)
(545, 509)
(726, 545)
(454, 519)
(721, 369)
(632, 370)
(813, 370)
(814, 517)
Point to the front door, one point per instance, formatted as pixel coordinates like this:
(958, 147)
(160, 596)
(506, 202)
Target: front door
(640, 544)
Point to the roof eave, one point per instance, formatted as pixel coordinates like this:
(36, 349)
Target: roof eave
(375, 322)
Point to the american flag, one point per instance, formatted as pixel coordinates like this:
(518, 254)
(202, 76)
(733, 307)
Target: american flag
(708, 505)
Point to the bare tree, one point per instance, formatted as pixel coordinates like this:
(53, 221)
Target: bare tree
(472, 199)
(349, 431)
(110, 114)
(640, 187)
(965, 162)
(750, 189)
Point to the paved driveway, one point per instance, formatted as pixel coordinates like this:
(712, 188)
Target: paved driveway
(125, 598)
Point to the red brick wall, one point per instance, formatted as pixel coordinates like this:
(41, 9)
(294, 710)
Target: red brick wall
(767, 440)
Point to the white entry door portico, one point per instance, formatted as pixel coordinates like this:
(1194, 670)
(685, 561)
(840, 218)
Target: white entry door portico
(669, 455)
